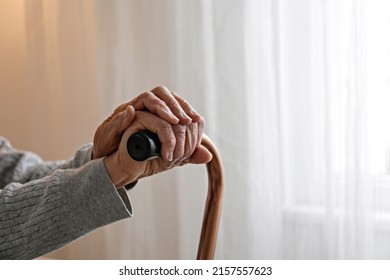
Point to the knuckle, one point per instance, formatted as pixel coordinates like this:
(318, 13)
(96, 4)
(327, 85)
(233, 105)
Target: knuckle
(117, 119)
(147, 95)
(119, 109)
(143, 97)
(161, 88)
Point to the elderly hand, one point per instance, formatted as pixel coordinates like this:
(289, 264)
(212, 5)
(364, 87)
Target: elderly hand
(180, 145)
(160, 101)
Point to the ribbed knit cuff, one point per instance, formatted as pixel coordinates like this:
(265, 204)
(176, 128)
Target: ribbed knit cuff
(98, 202)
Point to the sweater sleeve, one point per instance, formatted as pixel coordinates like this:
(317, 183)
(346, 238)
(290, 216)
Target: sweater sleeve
(41, 211)
(20, 166)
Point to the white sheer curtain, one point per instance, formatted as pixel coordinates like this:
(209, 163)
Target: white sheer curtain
(295, 95)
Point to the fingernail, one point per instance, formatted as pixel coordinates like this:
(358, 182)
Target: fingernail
(186, 118)
(196, 116)
(175, 118)
(168, 156)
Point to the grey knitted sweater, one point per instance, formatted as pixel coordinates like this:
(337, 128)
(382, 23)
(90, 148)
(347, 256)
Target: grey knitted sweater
(45, 205)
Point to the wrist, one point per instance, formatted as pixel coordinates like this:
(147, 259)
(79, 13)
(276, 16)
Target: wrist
(117, 176)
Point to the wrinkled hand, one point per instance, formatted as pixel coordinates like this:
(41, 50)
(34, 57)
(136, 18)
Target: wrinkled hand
(160, 101)
(180, 145)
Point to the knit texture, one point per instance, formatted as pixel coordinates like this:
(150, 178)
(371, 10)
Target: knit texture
(46, 205)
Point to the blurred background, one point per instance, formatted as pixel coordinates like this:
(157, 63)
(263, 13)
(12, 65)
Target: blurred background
(295, 93)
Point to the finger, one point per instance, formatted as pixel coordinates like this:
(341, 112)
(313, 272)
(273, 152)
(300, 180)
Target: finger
(164, 94)
(128, 116)
(117, 111)
(155, 105)
(201, 126)
(180, 135)
(111, 132)
(190, 111)
(168, 142)
(191, 139)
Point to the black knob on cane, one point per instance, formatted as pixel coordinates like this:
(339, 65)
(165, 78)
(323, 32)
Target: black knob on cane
(144, 145)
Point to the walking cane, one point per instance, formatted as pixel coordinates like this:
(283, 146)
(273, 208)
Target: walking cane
(145, 145)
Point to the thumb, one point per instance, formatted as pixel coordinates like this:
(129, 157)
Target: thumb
(201, 155)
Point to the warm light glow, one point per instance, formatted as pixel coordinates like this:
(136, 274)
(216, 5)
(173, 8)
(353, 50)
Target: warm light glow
(12, 23)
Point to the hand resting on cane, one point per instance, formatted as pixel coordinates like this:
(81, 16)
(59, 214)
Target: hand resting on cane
(180, 145)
